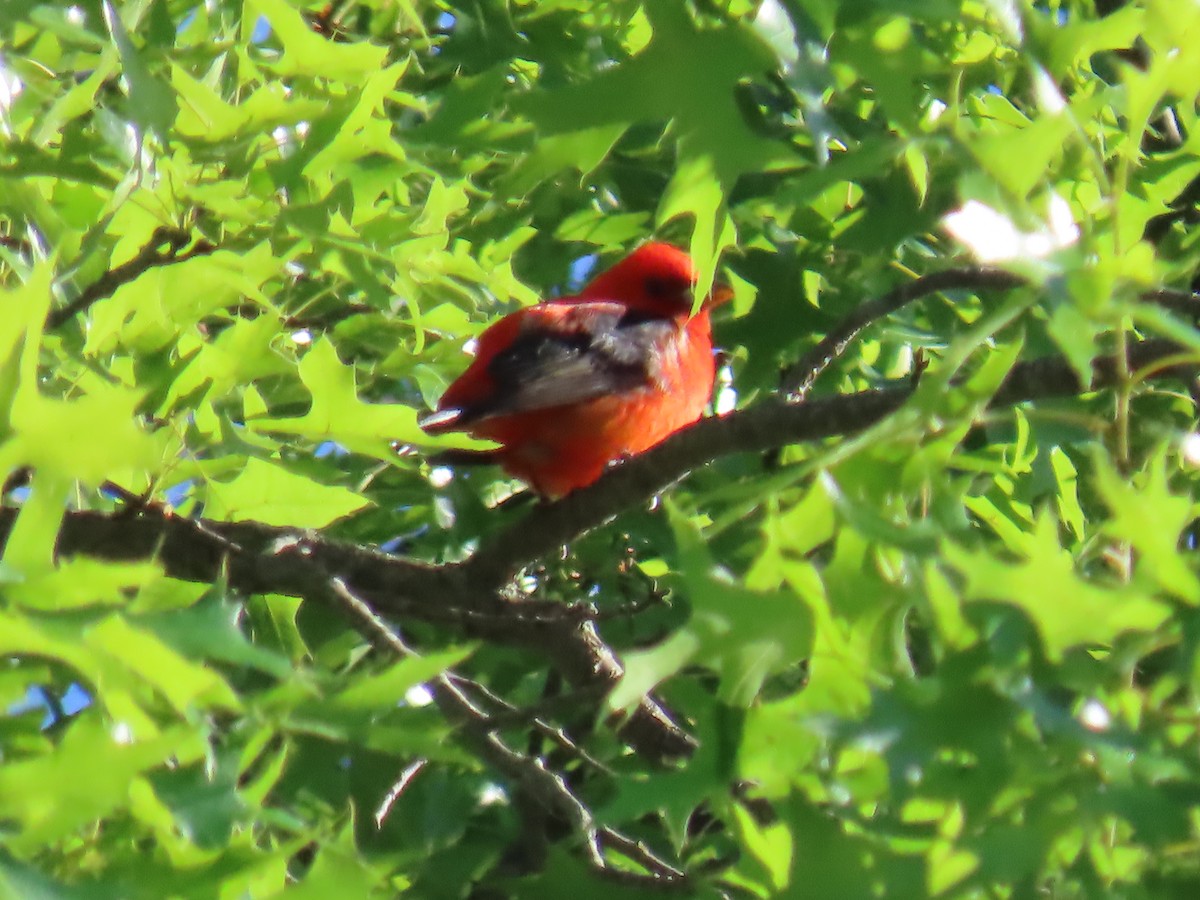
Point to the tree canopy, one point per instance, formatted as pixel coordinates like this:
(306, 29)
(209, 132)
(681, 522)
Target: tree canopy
(915, 612)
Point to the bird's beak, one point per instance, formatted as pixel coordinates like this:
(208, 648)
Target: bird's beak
(720, 293)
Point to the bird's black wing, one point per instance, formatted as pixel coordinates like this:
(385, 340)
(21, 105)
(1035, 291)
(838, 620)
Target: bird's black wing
(596, 350)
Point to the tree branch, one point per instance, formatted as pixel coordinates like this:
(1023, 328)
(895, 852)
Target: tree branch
(798, 378)
(256, 558)
(547, 787)
(764, 426)
(1185, 303)
(313, 322)
(151, 256)
(503, 714)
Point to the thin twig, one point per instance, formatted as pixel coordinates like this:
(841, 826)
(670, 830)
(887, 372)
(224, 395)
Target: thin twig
(298, 321)
(511, 715)
(628, 610)
(569, 701)
(798, 378)
(399, 787)
(638, 852)
(530, 773)
(152, 255)
(19, 245)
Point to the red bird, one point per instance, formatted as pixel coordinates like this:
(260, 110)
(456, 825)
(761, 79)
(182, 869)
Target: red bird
(570, 385)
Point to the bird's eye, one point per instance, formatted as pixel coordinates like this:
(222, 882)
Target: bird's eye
(656, 287)
(661, 288)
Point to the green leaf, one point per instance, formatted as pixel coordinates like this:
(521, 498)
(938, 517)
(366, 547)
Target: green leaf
(149, 312)
(1146, 513)
(386, 689)
(82, 582)
(186, 685)
(29, 550)
(918, 170)
(338, 414)
(1067, 609)
(1067, 497)
(603, 229)
(832, 860)
(1076, 335)
(19, 880)
(308, 54)
(202, 798)
(743, 635)
(338, 870)
(152, 103)
(271, 494)
(1018, 158)
(690, 75)
(1068, 42)
(209, 630)
(582, 150)
(74, 103)
(55, 795)
(48, 432)
(770, 845)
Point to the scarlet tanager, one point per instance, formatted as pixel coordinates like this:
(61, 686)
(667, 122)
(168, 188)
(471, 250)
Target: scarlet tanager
(572, 384)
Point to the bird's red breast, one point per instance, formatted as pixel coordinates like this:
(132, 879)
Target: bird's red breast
(570, 385)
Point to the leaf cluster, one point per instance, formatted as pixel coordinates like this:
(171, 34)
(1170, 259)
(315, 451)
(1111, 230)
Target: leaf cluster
(942, 643)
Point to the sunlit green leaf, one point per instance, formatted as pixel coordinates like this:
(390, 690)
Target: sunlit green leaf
(1068, 609)
(54, 795)
(1151, 517)
(744, 635)
(270, 493)
(338, 414)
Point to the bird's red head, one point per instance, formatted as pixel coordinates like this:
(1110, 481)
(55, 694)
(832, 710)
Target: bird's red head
(655, 276)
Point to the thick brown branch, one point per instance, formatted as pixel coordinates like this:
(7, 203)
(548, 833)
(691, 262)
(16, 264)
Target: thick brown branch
(257, 558)
(772, 423)
(1184, 303)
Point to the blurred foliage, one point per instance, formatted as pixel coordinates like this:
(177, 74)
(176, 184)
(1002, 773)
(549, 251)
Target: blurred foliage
(956, 656)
